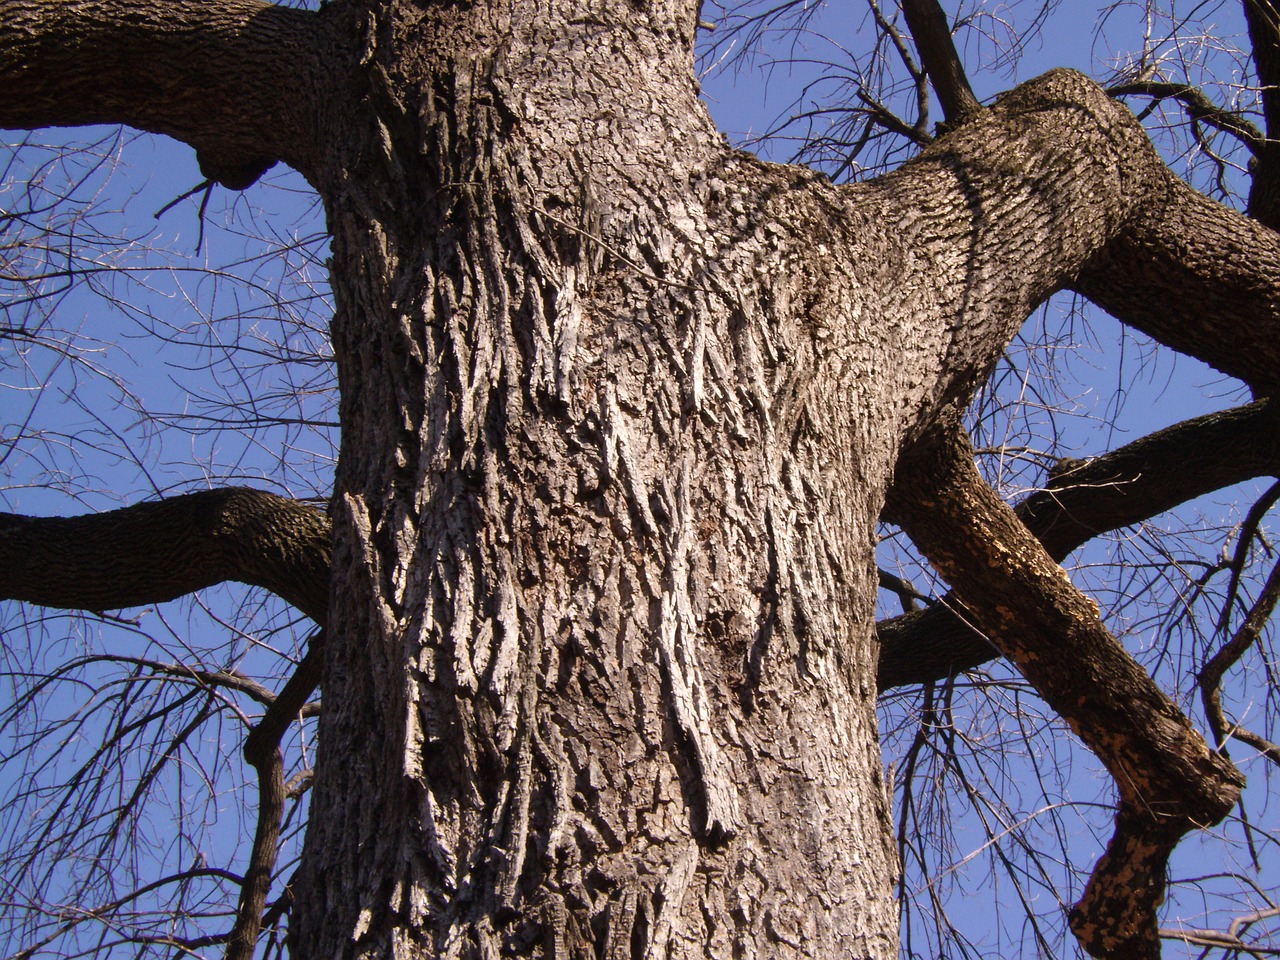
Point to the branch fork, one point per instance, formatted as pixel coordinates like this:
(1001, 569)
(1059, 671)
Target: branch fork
(1169, 781)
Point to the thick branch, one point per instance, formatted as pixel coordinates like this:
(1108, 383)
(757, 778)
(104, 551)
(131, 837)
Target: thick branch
(992, 219)
(932, 34)
(1155, 473)
(1264, 35)
(1197, 277)
(153, 552)
(1168, 780)
(1124, 487)
(236, 79)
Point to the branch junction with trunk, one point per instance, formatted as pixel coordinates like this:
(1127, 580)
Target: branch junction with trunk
(620, 410)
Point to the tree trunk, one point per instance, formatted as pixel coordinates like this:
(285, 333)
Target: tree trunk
(619, 409)
(603, 679)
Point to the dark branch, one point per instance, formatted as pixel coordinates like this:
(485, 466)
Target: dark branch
(1210, 679)
(1168, 780)
(1264, 35)
(236, 79)
(242, 943)
(152, 552)
(1128, 485)
(262, 751)
(1198, 107)
(932, 34)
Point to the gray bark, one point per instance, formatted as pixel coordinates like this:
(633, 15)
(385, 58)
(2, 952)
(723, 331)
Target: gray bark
(620, 407)
(613, 454)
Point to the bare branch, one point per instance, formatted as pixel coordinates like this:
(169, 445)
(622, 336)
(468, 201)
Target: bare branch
(1198, 107)
(152, 552)
(1197, 277)
(1124, 487)
(1211, 674)
(1168, 780)
(932, 34)
(232, 78)
(262, 750)
(1218, 940)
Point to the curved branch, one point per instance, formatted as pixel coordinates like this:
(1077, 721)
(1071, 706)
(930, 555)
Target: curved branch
(262, 751)
(236, 79)
(918, 131)
(995, 217)
(1198, 277)
(152, 552)
(269, 765)
(1168, 780)
(1155, 473)
(1211, 674)
(1124, 487)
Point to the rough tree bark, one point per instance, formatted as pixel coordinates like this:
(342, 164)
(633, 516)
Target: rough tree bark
(620, 408)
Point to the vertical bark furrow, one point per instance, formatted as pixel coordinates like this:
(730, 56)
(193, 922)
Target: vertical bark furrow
(677, 635)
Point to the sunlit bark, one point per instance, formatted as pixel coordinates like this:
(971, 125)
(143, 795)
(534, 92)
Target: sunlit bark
(620, 408)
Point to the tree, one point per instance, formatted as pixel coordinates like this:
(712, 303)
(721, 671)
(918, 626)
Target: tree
(620, 410)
